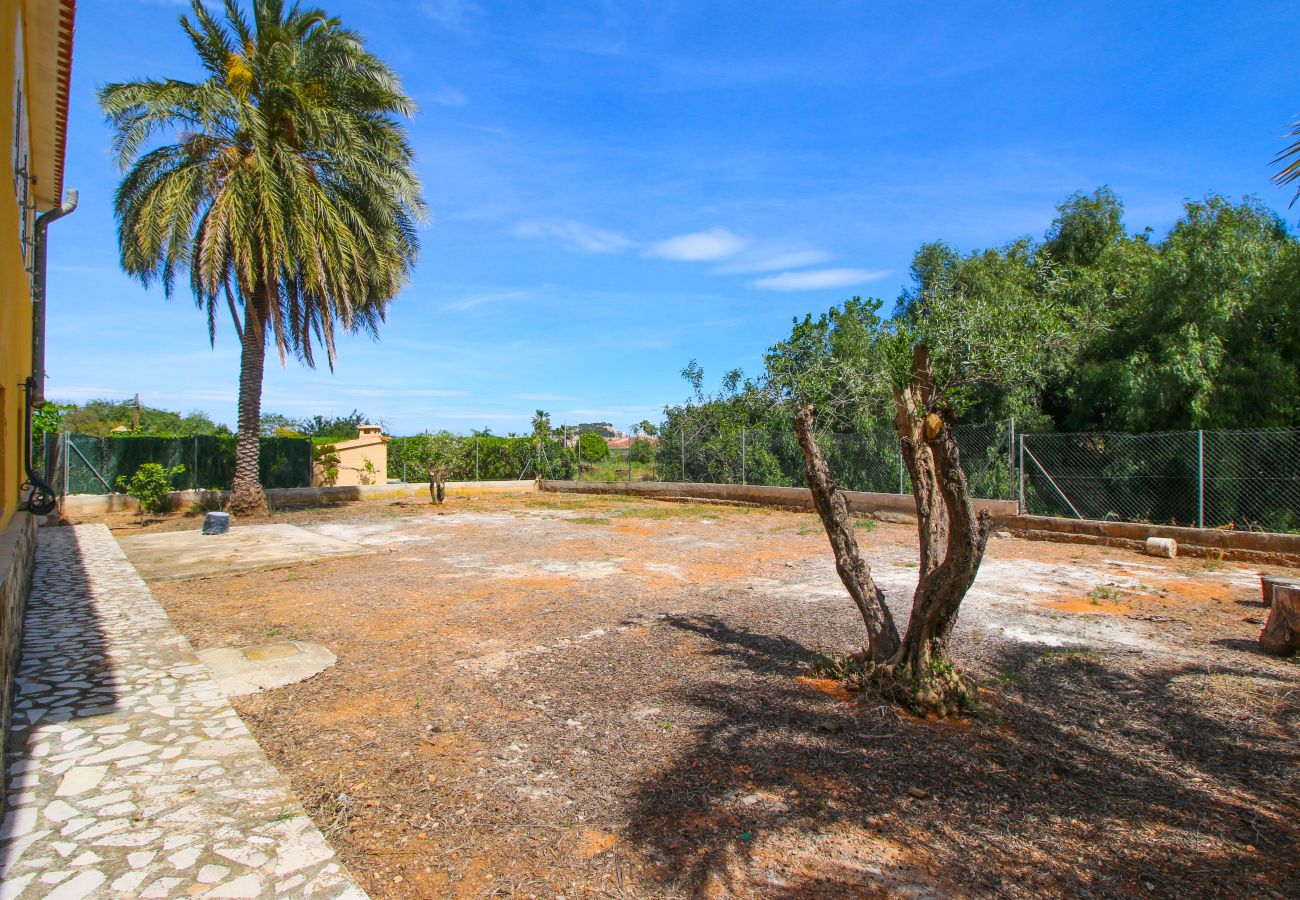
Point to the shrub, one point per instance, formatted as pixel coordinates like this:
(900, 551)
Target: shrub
(150, 485)
(326, 458)
(641, 452)
(594, 447)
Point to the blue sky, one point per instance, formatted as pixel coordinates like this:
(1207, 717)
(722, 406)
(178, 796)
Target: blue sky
(619, 188)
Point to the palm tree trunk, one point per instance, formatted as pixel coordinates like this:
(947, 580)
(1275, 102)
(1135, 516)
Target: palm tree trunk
(246, 495)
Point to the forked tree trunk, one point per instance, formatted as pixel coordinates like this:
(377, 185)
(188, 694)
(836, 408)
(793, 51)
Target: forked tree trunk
(952, 540)
(882, 634)
(924, 662)
(246, 496)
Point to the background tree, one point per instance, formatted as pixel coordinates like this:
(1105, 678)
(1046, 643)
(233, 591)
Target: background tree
(286, 190)
(592, 447)
(279, 425)
(951, 343)
(100, 417)
(342, 428)
(541, 423)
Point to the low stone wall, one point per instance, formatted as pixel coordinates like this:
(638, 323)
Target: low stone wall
(863, 503)
(17, 550)
(1242, 545)
(84, 506)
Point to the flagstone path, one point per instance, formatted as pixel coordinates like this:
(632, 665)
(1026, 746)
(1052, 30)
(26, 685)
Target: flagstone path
(130, 774)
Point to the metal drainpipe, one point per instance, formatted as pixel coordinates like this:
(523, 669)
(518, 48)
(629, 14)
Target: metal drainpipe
(42, 499)
(36, 397)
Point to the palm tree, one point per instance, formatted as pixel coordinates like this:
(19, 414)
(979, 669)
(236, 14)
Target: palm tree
(284, 186)
(1291, 171)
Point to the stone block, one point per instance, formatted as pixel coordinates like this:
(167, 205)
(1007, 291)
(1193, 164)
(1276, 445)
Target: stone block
(1165, 548)
(216, 523)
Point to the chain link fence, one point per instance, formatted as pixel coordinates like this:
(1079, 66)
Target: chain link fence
(864, 461)
(479, 458)
(85, 464)
(1246, 480)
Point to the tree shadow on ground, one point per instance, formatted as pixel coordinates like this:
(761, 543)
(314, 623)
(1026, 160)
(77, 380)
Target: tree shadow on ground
(1083, 774)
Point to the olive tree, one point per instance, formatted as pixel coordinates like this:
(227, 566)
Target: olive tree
(951, 342)
(446, 453)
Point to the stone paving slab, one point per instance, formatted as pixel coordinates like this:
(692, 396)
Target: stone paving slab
(130, 773)
(181, 555)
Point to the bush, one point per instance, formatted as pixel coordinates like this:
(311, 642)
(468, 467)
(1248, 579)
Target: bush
(150, 485)
(593, 447)
(641, 452)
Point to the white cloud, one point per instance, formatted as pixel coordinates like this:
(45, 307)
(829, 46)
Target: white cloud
(450, 96)
(468, 302)
(451, 13)
(699, 246)
(759, 260)
(579, 236)
(818, 279)
(380, 391)
(546, 398)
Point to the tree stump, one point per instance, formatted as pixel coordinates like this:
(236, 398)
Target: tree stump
(1281, 634)
(1269, 583)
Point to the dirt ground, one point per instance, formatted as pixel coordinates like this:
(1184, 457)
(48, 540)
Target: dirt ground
(577, 696)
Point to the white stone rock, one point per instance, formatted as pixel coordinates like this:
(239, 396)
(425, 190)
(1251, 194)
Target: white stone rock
(11, 888)
(183, 859)
(78, 887)
(19, 822)
(140, 858)
(244, 886)
(128, 882)
(123, 751)
(80, 779)
(243, 855)
(58, 811)
(211, 874)
(161, 888)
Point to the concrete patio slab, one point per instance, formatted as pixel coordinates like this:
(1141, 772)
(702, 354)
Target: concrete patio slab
(182, 555)
(247, 670)
(130, 774)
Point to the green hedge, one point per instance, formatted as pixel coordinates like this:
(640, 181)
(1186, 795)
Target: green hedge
(209, 461)
(498, 458)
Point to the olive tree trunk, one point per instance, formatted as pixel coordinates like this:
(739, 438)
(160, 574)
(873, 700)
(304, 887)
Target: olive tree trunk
(952, 539)
(246, 496)
(437, 485)
(882, 634)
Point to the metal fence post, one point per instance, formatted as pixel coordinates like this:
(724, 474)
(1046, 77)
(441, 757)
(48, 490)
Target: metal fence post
(681, 441)
(476, 459)
(66, 439)
(1011, 460)
(742, 455)
(194, 470)
(900, 470)
(1200, 479)
(1020, 467)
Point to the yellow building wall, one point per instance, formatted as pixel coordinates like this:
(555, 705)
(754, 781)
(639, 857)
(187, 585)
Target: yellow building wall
(15, 289)
(353, 456)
